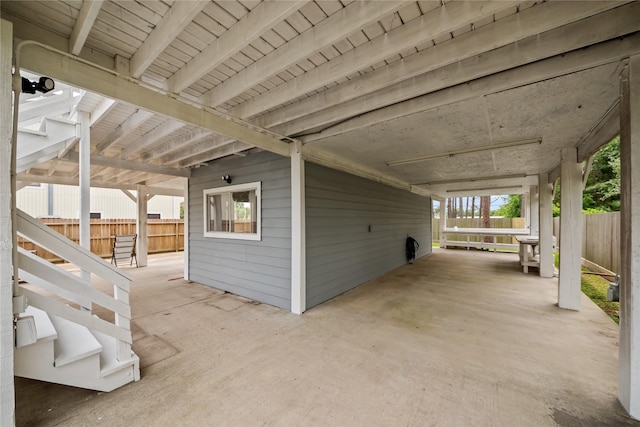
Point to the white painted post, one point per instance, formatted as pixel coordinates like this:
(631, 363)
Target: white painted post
(85, 186)
(7, 403)
(534, 200)
(525, 210)
(545, 245)
(298, 236)
(142, 245)
(629, 338)
(186, 230)
(570, 230)
(443, 222)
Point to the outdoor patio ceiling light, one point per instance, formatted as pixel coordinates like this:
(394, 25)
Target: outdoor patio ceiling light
(226, 178)
(44, 85)
(469, 150)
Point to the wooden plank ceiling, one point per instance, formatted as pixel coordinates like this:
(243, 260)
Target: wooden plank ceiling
(367, 86)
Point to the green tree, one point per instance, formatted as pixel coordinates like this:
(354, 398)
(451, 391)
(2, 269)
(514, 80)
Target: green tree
(511, 206)
(602, 192)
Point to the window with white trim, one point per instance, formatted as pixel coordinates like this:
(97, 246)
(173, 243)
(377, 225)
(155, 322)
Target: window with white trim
(233, 212)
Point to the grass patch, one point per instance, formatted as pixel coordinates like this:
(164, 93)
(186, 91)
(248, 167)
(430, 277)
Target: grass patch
(595, 287)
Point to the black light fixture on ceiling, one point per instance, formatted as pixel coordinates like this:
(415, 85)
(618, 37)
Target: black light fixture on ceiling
(226, 178)
(44, 85)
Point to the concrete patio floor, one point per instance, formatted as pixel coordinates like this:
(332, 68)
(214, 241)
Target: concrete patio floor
(460, 338)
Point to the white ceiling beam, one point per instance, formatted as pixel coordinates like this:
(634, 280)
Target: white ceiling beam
(531, 22)
(172, 24)
(128, 193)
(537, 58)
(154, 136)
(158, 179)
(225, 150)
(177, 143)
(261, 19)
(322, 157)
(23, 30)
(607, 128)
(98, 183)
(101, 110)
(109, 174)
(96, 171)
(87, 16)
(129, 165)
(124, 129)
(331, 30)
(110, 84)
(471, 185)
(21, 185)
(490, 191)
(428, 27)
(131, 177)
(195, 149)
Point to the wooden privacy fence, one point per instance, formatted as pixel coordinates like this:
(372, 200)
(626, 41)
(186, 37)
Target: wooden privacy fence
(476, 223)
(600, 239)
(165, 235)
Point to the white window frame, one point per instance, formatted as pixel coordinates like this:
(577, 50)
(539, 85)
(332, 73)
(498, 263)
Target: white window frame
(257, 186)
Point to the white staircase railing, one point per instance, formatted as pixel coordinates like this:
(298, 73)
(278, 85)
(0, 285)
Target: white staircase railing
(53, 138)
(42, 274)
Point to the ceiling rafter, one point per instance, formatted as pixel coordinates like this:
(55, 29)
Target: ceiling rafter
(172, 24)
(65, 180)
(151, 138)
(194, 150)
(116, 86)
(101, 110)
(112, 162)
(216, 153)
(427, 27)
(175, 144)
(526, 24)
(87, 16)
(358, 112)
(124, 129)
(331, 30)
(261, 19)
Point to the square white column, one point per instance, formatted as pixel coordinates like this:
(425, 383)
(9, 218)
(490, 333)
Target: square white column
(569, 291)
(629, 347)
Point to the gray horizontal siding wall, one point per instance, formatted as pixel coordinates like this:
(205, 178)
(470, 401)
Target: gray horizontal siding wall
(341, 251)
(260, 270)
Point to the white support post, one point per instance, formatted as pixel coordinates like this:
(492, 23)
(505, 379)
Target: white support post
(142, 247)
(443, 222)
(525, 210)
(534, 201)
(298, 239)
(186, 230)
(545, 246)
(570, 230)
(85, 186)
(7, 403)
(629, 339)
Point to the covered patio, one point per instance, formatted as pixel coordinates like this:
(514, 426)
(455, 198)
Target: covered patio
(458, 338)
